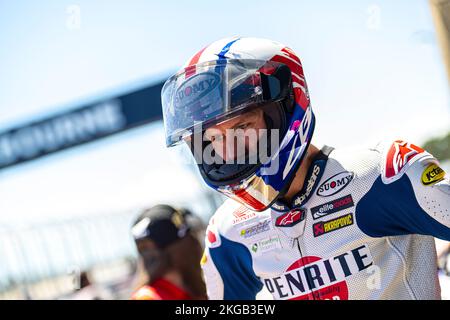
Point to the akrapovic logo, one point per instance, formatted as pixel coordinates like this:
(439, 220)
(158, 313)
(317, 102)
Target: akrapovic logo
(195, 88)
(334, 184)
(312, 278)
(332, 207)
(324, 227)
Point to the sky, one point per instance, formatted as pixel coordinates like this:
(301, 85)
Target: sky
(373, 68)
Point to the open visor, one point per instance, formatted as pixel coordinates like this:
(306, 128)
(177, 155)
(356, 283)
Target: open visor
(209, 92)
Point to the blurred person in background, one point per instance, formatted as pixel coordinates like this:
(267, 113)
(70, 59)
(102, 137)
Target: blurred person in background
(306, 222)
(170, 251)
(443, 253)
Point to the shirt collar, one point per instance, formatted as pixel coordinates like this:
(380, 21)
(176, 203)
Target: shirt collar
(312, 179)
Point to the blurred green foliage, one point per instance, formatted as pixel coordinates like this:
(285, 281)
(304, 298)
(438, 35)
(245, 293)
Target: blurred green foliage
(439, 147)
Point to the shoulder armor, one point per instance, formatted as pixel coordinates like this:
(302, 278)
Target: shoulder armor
(397, 158)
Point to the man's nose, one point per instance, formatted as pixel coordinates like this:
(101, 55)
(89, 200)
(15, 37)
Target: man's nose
(226, 148)
(230, 149)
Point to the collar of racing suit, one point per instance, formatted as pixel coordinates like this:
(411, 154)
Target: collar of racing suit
(312, 179)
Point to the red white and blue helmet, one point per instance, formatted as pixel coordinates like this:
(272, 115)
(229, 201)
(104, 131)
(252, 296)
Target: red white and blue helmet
(230, 77)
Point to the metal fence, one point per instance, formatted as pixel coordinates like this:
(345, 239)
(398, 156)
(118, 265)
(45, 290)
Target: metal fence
(50, 255)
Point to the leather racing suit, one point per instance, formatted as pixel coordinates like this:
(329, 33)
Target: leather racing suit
(362, 227)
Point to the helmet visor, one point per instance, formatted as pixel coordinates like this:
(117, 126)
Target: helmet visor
(205, 93)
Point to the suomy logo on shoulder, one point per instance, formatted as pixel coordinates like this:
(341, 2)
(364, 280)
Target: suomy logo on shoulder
(334, 184)
(196, 88)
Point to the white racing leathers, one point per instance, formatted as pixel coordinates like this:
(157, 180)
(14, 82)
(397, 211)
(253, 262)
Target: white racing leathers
(361, 228)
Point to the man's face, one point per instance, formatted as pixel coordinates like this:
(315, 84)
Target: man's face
(234, 138)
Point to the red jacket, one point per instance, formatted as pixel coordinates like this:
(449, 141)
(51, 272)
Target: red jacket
(161, 289)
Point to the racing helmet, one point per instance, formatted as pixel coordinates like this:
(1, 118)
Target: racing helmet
(225, 80)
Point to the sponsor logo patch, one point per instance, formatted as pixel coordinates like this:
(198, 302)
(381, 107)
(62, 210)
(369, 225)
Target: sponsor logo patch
(315, 278)
(196, 88)
(324, 227)
(325, 209)
(242, 214)
(311, 182)
(291, 218)
(307, 189)
(334, 184)
(400, 155)
(257, 228)
(266, 245)
(432, 174)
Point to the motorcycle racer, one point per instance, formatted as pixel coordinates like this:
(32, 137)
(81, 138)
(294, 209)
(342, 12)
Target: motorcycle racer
(305, 222)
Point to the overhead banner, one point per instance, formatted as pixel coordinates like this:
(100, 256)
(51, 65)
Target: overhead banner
(79, 126)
